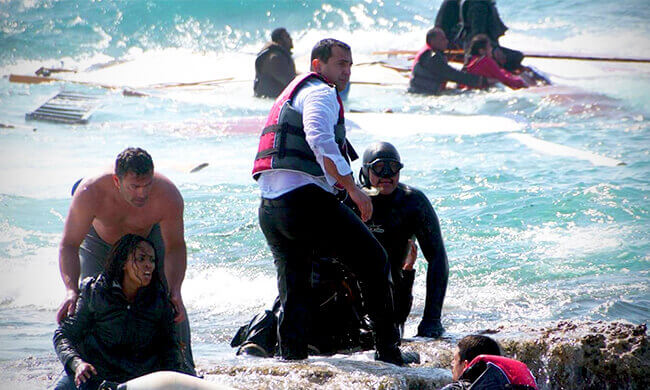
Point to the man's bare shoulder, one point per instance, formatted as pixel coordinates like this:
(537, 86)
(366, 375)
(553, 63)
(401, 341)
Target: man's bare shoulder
(95, 188)
(166, 191)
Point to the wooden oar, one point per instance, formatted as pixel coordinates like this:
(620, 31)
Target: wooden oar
(205, 82)
(27, 79)
(532, 55)
(586, 58)
(17, 78)
(375, 83)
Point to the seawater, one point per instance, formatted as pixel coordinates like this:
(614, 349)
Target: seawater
(531, 236)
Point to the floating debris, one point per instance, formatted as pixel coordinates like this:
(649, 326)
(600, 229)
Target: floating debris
(66, 107)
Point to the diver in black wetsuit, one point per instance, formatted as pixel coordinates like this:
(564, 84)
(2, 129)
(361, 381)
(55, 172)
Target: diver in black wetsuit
(400, 213)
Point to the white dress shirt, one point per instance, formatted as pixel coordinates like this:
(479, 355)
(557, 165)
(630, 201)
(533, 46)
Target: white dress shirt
(320, 112)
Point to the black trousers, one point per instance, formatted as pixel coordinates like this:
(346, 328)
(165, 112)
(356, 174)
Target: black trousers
(308, 222)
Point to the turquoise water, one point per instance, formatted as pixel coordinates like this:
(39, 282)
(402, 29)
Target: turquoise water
(532, 236)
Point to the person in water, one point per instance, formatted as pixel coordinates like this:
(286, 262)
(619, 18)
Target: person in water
(301, 165)
(402, 213)
(431, 72)
(274, 66)
(480, 62)
(337, 319)
(123, 324)
(462, 20)
(130, 199)
(478, 365)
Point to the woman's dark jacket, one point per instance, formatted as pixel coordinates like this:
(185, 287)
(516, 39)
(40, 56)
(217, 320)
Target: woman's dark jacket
(121, 340)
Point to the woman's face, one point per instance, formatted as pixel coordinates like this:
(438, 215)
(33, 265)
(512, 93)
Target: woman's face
(138, 269)
(487, 51)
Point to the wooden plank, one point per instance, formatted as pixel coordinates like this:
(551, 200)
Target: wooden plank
(555, 56)
(26, 79)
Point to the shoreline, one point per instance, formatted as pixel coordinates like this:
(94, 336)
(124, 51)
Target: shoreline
(565, 354)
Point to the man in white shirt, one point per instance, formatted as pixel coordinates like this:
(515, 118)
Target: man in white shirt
(300, 166)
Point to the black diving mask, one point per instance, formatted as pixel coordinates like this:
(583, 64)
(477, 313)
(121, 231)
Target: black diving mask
(385, 168)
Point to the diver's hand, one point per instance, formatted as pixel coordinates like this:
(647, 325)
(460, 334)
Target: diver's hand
(430, 328)
(362, 201)
(83, 372)
(179, 307)
(410, 256)
(68, 305)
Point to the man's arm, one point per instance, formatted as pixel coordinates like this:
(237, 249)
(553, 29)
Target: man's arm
(449, 73)
(319, 114)
(173, 235)
(356, 194)
(77, 223)
(430, 239)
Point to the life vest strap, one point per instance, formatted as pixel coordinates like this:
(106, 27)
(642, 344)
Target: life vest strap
(287, 152)
(283, 128)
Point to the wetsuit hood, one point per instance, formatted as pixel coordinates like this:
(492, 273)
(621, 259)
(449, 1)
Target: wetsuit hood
(374, 152)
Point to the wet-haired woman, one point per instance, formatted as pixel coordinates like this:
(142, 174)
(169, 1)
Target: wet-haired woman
(481, 62)
(123, 324)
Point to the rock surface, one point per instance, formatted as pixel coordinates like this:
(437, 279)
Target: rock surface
(563, 355)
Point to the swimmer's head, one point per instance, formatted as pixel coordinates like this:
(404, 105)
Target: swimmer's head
(380, 167)
(133, 175)
(133, 160)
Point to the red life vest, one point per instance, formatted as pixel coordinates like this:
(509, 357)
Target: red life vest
(515, 372)
(283, 144)
(423, 50)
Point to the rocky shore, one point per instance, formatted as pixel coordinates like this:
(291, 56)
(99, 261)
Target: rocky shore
(563, 355)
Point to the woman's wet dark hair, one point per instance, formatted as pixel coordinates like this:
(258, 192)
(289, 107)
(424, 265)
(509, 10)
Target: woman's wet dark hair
(479, 42)
(119, 255)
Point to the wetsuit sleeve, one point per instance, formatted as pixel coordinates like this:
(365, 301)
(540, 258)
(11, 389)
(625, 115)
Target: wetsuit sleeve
(429, 237)
(319, 115)
(72, 331)
(448, 73)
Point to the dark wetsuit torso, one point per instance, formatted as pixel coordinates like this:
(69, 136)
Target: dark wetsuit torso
(274, 70)
(396, 218)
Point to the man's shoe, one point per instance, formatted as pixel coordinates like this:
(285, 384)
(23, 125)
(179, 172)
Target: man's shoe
(252, 349)
(432, 328)
(410, 357)
(397, 357)
(391, 355)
